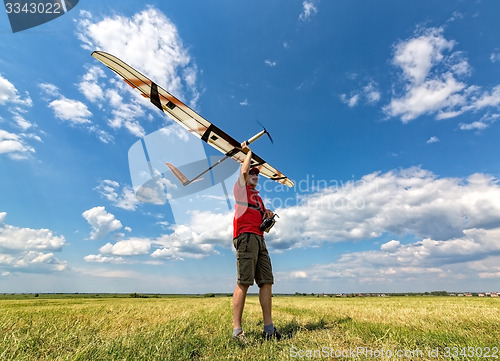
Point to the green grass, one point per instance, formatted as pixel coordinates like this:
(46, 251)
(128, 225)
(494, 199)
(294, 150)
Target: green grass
(199, 328)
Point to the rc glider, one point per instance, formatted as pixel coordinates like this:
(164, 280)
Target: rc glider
(191, 121)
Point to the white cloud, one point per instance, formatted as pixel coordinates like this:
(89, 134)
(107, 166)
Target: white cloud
(14, 145)
(181, 250)
(102, 222)
(8, 92)
(432, 139)
(441, 229)
(309, 8)
(9, 142)
(14, 238)
(351, 100)
(160, 55)
(410, 201)
(98, 258)
(369, 93)
(270, 63)
(22, 122)
(494, 57)
(49, 89)
(488, 99)
(455, 16)
(431, 73)
(29, 250)
(212, 227)
(372, 93)
(125, 114)
(299, 275)
(427, 261)
(124, 198)
(417, 56)
(73, 111)
(429, 97)
(89, 85)
(486, 268)
(197, 239)
(129, 247)
(483, 123)
(406, 202)
(390, 246)
(477, 125)
(10, 95)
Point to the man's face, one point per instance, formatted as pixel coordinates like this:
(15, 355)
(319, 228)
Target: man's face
(253, 179)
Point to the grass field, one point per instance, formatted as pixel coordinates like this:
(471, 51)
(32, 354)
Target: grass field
(199, 328)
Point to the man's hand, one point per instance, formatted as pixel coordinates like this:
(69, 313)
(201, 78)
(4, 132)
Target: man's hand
(268, 214)
(244, 147)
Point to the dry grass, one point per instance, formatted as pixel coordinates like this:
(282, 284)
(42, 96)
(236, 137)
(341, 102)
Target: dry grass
(196, 328)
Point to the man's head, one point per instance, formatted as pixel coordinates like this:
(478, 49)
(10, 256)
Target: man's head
(253, 177)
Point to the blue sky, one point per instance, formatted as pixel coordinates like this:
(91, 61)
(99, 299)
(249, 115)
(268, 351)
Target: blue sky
(384, 113)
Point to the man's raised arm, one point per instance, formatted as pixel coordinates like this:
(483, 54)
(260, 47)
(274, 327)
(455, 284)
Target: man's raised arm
(245, 166)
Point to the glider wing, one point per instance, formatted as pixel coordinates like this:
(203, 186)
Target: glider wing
(187, 117)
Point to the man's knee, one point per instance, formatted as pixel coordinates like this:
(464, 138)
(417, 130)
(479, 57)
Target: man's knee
(265, 286)
(242, 288)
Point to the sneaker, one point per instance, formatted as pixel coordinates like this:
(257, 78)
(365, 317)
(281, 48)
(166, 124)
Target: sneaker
(241, 338)
(275, 334)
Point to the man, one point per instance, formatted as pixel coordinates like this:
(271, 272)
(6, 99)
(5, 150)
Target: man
(253, 262)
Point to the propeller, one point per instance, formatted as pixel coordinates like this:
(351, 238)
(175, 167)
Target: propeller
(265, 131)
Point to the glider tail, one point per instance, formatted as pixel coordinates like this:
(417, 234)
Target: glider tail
(178, 174)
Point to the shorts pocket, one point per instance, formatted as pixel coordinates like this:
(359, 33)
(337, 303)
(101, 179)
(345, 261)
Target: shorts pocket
(246, 267)
(244, 255)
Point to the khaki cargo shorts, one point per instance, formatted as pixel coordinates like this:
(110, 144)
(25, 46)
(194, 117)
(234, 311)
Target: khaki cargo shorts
(252, 260)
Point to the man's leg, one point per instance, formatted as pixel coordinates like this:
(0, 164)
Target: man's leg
(239, 296)
(265, 298)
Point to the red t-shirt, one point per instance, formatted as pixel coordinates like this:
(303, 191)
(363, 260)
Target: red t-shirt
(247, 216)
